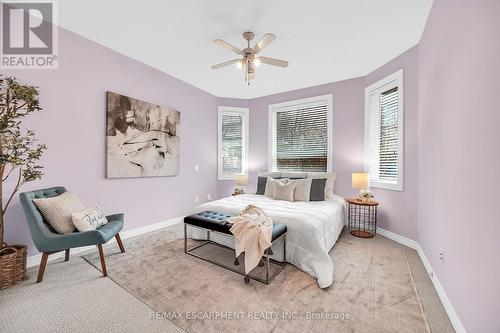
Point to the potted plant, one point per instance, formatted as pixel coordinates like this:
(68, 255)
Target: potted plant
(19, 154)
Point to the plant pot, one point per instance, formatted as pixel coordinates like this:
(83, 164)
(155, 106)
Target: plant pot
(12, 265)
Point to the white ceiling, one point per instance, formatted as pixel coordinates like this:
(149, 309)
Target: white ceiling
(324, 40)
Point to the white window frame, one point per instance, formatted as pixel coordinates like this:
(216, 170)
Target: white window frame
(278, 107)
(222, 110)
(395, 79)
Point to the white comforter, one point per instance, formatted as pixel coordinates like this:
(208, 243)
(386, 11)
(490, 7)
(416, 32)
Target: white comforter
(313, 229)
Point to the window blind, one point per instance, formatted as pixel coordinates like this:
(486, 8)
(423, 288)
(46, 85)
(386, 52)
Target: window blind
(384, 136)
(232, 144)
(301, 138)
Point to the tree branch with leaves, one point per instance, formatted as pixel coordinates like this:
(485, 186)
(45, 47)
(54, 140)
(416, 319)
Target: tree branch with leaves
(19, 148)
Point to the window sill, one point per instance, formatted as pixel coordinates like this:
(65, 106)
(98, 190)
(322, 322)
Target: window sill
(387, 186)
(227, 178)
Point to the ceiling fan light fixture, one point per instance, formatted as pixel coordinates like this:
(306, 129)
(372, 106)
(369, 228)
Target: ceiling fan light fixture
(249, 59)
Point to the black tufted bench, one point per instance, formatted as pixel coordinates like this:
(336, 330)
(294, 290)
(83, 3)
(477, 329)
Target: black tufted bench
(211, 221)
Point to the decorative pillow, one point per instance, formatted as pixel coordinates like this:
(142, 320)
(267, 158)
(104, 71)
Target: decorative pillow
(270, 185)
(294, 175)
(318, 189)
(302, 189)
(57, 211)
(330, 182)
(284, 191)
(261, 185)
(88, 219)
(275, 174)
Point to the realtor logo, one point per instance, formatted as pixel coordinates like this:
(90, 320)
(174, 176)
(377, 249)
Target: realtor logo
(29, 35)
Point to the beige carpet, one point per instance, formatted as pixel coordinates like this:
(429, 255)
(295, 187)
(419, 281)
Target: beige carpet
(74, 297)
(373, 290)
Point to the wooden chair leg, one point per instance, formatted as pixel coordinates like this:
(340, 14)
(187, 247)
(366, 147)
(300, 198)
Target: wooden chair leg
(66, 255)
(41, 269)
(103, 263)
(120, 243)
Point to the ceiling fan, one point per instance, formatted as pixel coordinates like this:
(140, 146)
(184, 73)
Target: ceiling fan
(250, 59)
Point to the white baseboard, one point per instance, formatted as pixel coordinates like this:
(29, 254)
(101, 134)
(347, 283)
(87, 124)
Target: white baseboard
(35, 259)
(452, 314)
(398, 238)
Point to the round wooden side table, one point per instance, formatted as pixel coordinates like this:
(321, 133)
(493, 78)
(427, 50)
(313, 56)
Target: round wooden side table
(362, 217)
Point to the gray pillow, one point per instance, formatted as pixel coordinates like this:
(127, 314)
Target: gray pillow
(317, 190)
(261, 185)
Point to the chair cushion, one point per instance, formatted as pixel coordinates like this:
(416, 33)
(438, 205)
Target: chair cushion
(109, 230)
(57, 211)
(217, 221)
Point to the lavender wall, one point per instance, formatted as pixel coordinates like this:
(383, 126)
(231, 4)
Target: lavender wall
(458, 155)
(347, 131)
(398, 210)
(72, 124)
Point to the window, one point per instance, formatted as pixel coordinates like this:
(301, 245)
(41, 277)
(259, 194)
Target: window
(300, 135)
(233, 142)
(384, 132)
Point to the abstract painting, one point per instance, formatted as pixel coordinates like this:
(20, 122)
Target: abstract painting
(143, 139)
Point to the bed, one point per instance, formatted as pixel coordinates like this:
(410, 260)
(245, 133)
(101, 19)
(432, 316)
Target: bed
(313, 229)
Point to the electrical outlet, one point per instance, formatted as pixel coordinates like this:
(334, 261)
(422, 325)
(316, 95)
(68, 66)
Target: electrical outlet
(196, 199)
(441, 256)
(209, 196)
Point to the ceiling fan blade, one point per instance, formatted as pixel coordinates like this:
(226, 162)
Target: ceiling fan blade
(227, 63)
(265, 41)
(228, 46)
(273, 61)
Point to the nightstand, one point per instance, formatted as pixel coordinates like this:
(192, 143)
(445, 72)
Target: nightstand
(362, 217)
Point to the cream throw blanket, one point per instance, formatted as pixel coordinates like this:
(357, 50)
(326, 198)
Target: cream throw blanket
(253, 231)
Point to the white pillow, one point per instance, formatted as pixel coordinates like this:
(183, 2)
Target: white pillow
(275, 174)
(330, 182)
(89, 219)
(302, 189)
(284, 191)
(270, 184)
(293, 174)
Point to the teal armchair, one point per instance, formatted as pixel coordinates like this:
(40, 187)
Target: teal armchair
(48, 241)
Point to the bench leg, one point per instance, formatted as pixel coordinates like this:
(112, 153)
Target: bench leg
(185, 239)
(267, 268)
(66, 255)
(261, 263)
(284, 249)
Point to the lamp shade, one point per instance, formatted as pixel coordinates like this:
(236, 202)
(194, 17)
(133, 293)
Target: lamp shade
(360, 180)
(241, 180)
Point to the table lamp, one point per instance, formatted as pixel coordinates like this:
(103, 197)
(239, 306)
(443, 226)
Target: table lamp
(361, 181)
(241, 182)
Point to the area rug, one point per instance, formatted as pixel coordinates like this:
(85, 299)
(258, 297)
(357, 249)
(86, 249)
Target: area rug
(373, 290)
